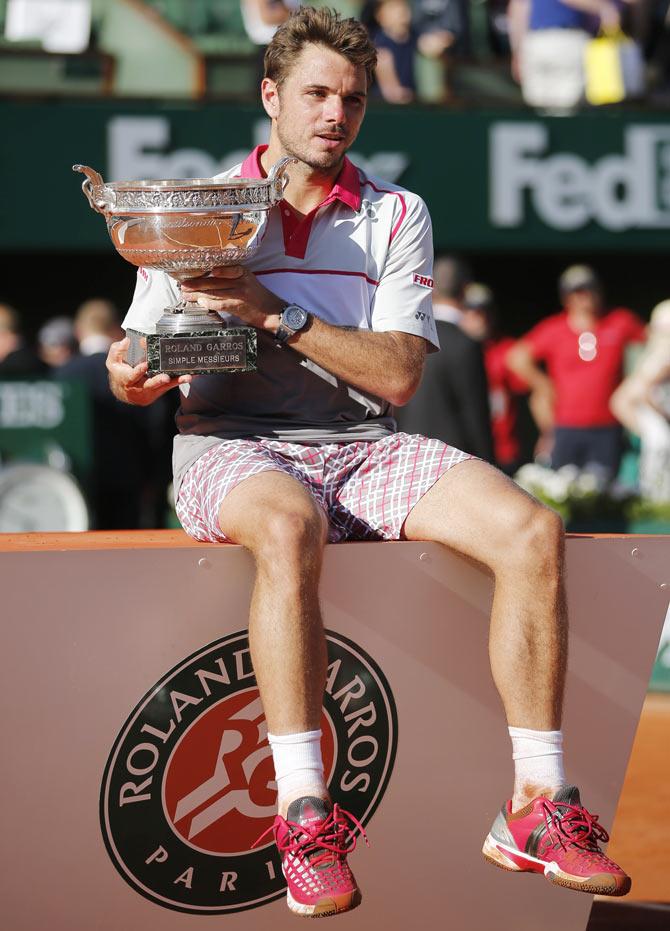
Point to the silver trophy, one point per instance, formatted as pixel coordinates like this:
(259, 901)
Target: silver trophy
(187, 227)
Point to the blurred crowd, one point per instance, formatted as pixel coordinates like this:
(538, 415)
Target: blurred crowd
(542, 44)
(575, 390)
(126, 486)
(429, 50)
(571, 391)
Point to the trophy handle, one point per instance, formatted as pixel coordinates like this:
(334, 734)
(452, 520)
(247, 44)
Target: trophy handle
(278, 178)
(93, 181)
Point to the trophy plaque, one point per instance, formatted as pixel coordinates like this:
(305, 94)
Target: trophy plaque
(187, 227)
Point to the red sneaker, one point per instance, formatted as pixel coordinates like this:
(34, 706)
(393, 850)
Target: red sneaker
(314, 840)
(557, 837)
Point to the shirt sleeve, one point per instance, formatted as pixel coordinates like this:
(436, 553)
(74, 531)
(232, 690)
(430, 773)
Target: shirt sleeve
(403, 299)
(154, 291)
(636, 328)
(540, 340)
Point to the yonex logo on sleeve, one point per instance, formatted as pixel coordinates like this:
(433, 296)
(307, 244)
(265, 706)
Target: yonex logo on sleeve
(143, 272)
(423, 281)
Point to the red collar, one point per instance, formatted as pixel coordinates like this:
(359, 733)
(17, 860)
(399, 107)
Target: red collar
(346, 189)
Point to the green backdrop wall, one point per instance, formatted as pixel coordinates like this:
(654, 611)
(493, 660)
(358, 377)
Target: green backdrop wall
(495, 182)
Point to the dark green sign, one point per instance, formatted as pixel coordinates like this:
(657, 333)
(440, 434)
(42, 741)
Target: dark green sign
(493, 181)
(40, 420)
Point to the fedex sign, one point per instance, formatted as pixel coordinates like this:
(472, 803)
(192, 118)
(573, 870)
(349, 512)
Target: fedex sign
(625, 191)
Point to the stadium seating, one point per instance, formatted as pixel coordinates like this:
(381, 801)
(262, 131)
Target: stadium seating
(26, 69)
(215, 32)
(195, 49)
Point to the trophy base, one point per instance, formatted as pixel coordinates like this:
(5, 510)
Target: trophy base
(202, 352)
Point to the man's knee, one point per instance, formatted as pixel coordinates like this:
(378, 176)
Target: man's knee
(536, 540)
(293, 534)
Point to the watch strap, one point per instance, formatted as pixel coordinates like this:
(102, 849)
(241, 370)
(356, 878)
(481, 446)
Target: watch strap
(283, 333)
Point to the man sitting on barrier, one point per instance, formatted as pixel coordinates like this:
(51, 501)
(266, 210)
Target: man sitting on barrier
(304, 451)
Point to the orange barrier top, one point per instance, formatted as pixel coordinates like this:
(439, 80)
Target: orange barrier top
(97, 540)
(145, 539)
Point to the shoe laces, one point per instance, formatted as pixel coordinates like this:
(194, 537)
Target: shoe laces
(316, 842)
(573, 824)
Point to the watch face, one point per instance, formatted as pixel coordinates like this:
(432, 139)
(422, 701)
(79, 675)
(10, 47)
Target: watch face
(294, 317)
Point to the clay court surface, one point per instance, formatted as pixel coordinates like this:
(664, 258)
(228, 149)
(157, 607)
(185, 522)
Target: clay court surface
(640, 832)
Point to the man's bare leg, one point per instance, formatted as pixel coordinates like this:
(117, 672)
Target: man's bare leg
(274, 517)
(479, 512)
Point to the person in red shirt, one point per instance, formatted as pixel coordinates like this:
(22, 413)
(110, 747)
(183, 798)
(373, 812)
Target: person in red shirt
(582, 351)
(480, 321)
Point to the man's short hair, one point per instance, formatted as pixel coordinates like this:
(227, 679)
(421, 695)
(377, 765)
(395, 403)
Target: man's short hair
(309, 26)
(96, 316)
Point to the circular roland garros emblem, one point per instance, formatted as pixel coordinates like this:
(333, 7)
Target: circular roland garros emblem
(189, 784)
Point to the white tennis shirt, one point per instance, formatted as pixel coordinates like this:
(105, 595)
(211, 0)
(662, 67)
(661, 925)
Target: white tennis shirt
(363, 258)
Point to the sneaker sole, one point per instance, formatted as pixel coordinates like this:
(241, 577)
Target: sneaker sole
(601, 884)
(324, 909)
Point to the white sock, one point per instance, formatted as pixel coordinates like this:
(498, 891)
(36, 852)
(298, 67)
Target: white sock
(538, 758)
(298, 764)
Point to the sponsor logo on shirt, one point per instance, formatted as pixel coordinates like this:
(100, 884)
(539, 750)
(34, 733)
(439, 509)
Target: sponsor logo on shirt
(143, 273)
(423, 281)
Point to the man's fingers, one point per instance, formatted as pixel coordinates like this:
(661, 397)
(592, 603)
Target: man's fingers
(222, 304)
(131, 376)
(116, 361)
(117, 351)
(228, 271)
(157, 381)
(212, 285)
(215, 278)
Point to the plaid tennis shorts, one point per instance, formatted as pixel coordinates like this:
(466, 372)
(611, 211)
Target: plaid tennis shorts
(366, 489)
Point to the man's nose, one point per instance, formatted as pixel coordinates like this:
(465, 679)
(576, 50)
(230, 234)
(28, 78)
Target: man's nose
(334, 109)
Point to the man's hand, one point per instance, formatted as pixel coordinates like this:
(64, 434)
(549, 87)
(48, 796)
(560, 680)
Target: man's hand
(233, 289)
(130, 384)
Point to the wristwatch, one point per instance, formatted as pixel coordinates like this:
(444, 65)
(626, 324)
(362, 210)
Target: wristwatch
(293, 318)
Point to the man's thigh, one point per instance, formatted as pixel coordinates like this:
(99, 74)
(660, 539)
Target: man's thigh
(477, 511)
(235, 487)
(390, 477)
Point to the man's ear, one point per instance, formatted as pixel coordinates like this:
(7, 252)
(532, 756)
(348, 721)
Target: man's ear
(270, 97)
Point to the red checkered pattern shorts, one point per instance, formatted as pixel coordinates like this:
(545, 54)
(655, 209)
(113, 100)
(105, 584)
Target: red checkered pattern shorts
(365, 489)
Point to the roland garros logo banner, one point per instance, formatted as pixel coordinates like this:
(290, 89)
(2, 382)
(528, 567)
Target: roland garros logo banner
(189, 783)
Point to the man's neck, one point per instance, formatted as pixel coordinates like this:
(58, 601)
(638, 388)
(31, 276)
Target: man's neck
(94, 343)
(581, 320)
(307, 187)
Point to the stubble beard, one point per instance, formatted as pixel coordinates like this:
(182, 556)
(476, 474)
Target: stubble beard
(327, 162)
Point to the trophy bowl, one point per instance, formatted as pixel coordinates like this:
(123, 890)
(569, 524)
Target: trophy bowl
(187, 227)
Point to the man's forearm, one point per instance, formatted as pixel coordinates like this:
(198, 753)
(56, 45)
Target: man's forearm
(388, 365)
